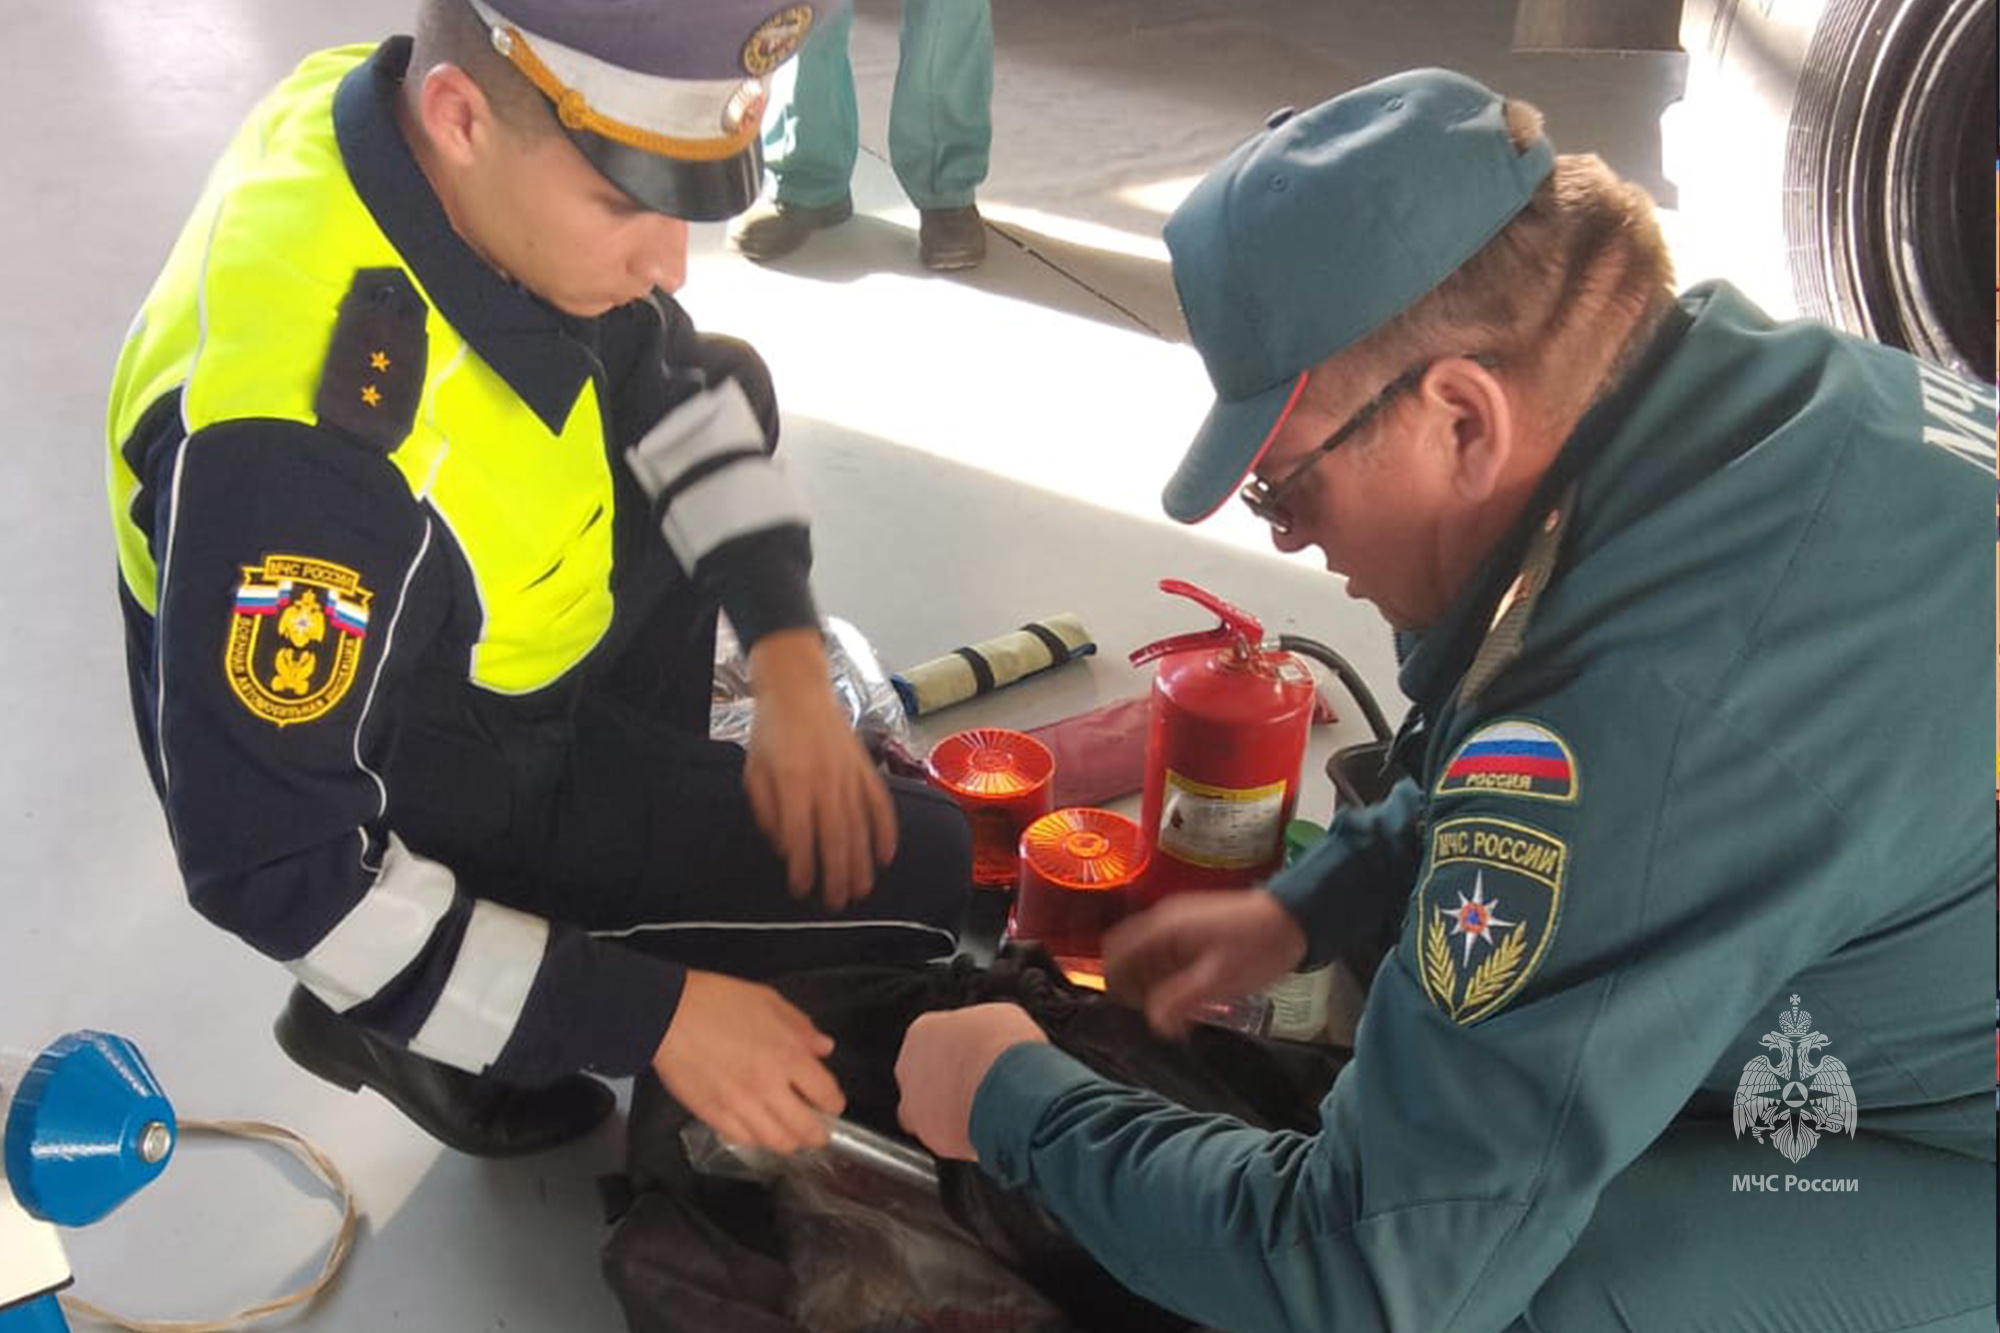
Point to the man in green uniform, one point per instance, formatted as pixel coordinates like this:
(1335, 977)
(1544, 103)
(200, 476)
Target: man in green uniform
(1685, 890)
(940, 135)
(427, 493)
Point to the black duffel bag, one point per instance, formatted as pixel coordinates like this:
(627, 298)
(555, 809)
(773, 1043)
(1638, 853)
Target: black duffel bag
(699, 1253)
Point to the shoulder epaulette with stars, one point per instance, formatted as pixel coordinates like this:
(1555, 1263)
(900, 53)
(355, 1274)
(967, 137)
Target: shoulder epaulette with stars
(374, 376)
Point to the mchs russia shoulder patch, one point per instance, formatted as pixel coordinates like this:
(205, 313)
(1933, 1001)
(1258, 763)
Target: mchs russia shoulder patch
(1491, 896)
(295, 637)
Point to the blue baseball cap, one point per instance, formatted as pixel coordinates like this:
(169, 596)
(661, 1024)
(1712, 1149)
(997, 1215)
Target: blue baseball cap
(1319, 231)
(665, 97)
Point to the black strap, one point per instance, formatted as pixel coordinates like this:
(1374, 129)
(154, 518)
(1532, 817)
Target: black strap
(982, 670)
(1058, 650)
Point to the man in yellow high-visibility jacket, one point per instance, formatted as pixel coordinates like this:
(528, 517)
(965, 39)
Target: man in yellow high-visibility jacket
(426, 494)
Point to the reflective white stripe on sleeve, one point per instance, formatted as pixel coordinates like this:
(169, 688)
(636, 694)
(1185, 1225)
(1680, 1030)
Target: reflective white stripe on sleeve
(382, 933)
(751, 496)
(482, 1000)
(713, 422)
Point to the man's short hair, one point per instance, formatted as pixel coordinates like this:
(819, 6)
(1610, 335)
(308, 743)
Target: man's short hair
(451, 32)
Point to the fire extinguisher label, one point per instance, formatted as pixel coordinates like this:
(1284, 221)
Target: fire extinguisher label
(1222, 828)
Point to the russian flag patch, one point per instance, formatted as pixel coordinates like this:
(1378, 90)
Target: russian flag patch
(1512, 759)
(348, 615)
(257, 597)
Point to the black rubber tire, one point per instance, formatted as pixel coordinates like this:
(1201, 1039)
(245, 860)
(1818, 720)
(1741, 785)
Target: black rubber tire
(1883, 203)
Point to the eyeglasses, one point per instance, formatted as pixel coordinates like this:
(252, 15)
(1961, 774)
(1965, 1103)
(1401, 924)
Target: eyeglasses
(1267, 499)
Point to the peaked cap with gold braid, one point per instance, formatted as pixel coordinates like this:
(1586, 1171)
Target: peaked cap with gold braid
(665, 97)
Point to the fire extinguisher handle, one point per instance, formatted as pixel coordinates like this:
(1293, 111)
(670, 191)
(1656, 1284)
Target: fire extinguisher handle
(1180, 643)
(1238, 625)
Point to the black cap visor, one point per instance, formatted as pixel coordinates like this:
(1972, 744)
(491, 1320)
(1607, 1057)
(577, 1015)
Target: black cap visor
(679, 187)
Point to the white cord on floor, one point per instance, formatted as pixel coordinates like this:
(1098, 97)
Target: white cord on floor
(316, 1162)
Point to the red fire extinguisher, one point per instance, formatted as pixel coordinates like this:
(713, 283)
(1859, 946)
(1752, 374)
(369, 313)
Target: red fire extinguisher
(1224, 747)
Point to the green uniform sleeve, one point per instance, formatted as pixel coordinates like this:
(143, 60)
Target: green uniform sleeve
(1463, 1150)
(1348, 891)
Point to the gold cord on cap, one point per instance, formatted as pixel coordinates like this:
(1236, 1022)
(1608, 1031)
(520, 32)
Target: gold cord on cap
(576, 113)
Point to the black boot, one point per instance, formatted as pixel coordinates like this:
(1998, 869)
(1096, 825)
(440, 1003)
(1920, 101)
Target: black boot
(776, 231)
(950, 238)
(475, 1114)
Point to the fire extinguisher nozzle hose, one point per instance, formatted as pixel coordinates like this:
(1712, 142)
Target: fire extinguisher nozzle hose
(1348, 676)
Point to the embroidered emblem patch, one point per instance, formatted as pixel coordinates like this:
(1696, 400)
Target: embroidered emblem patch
(1489, 903)
(776, 38)
(295, 638)
(1514, 758)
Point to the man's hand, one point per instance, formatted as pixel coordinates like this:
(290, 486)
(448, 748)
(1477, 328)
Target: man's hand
(1195, 947)
(814, 791)
(747, 1064)
(944, 1059)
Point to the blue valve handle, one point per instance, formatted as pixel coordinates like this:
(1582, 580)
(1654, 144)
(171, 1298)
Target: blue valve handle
(88, 1128)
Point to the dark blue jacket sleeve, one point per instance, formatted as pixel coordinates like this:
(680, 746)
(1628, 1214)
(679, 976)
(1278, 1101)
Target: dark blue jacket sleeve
(696, 420)
(299, 583)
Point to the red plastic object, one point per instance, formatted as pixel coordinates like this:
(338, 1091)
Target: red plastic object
(1078, 867)
(1225, 745)
(1003, 780)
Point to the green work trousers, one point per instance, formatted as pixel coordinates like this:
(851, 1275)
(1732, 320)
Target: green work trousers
(940, 115)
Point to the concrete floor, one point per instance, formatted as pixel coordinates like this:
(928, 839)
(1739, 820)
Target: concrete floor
(980, 450)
